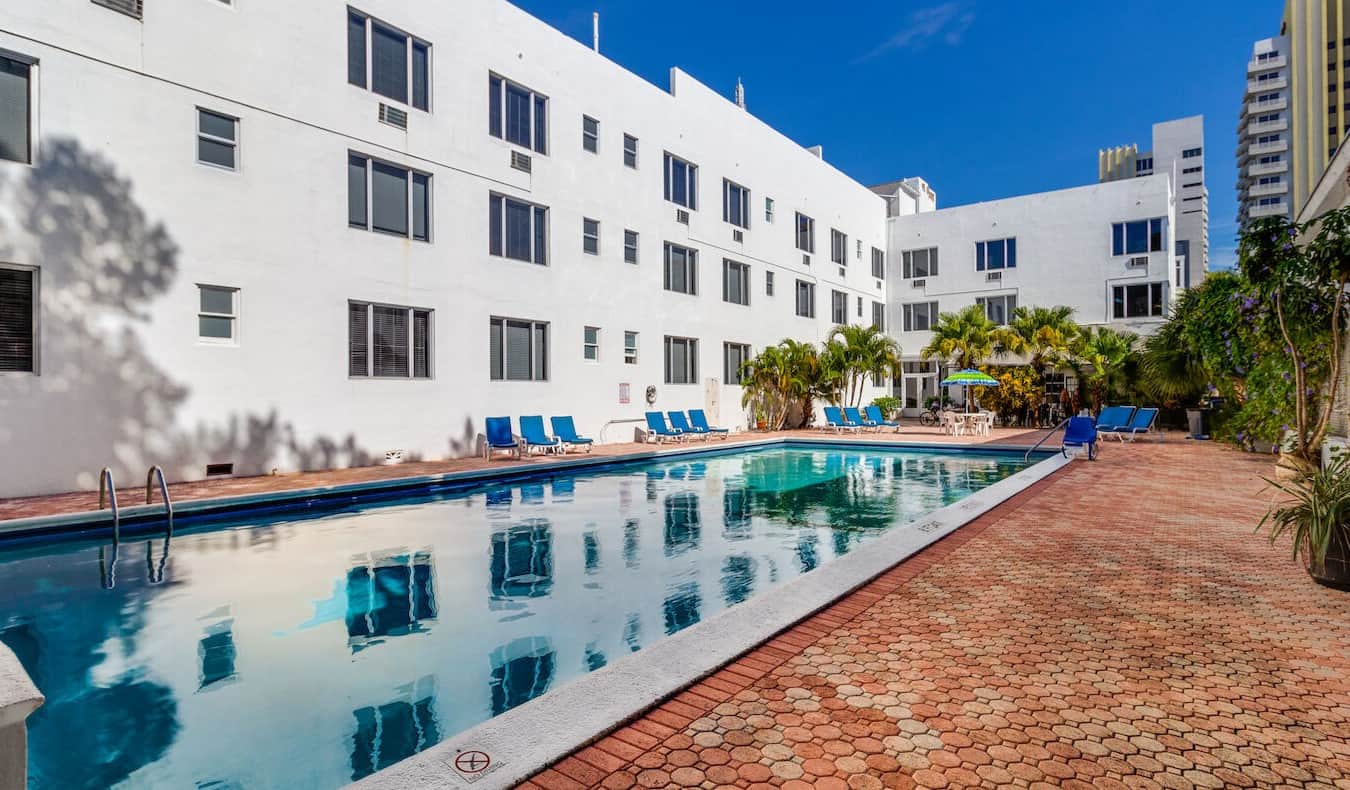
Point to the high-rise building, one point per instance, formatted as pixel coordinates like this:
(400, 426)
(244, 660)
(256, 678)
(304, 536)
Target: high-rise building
(1263, 185)
(1318, 35)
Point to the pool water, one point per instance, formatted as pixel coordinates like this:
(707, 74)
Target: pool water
(309, 652)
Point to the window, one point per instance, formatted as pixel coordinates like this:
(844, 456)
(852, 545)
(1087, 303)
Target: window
(630, 348)
(384, 197)
(806, 299)
(681, 360)
(517, 114)
(630, 151)
(590, 236)
(386, 341)
(735, 282)
(517, 230)
(217, 311)
(1143, 165)
(590, 134)
(681, 179)
(768, 210)
(878, 264)
(838, 247)
(1189, 170)
(1193, 184)
(998, 309)
(806, 233)
(1274, 116)
(920, 316)
(838, 307)
(1137, 301)
(768, 283)
(1191, 153)
(879, 316)
(735, 204)
(859, 302)
(734, 355)
(18, 319)
(517, 350)
(217, 139)
(590, 344)
(681, 269)
(996, 254)
(16, 109)
(630, 246)
(1275, 138)
(919, 263)
(388, 61)
(1137, 237)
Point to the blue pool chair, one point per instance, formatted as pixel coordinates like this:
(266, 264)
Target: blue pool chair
(854, 416)
(498, 437)
(1114, 418)
(874, 414)
(657, 429)
(679, 423)
(700, 421)
(1144, 421)
(565, 431)
(532, 435)
(834, 421)
(1080, 432)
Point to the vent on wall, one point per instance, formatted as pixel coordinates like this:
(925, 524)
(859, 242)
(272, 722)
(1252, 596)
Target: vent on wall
(737, 235)
(918, 283)
(806, 259)
(129, 7)
(1138, 262)
(682, 216)
(393, 116)
(219, 470)
(843, 272)
(521, 162)
(993, 276)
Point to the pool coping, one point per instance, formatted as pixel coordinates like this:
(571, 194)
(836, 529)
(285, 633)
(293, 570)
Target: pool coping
(533, 736)
(299, 499)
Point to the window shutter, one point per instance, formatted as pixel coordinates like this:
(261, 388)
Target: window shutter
(494, 106)
(358, 352)
(389, 63)
(390, 356)
(16, 320)
(495, 349)
(421, 344)
(540, 352)
(356, 49)
(518, 357)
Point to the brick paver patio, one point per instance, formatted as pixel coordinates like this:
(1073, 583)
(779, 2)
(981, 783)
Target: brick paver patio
(1119, 625)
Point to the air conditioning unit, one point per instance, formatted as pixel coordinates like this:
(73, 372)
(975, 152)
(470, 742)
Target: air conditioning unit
(993, 277)
(737, 235)
(393, 116)
(843, 272)
(682, 216)
(1138, 262)
(806, 259)
(918, 283)
(521, 162)
(128, 7)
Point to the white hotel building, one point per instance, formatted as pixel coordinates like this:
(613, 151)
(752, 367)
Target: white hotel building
(244, 237)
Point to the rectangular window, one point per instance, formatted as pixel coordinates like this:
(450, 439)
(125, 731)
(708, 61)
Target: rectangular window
(838, 247)
(590, 134)
(768, 283)
(859, 301)
(768, 210)
(879, 316)
(630, 246)
(388, 61)
(630, 348)
(806, 233)
(734, 355)
(838, 307)
(1190, 170)
(681, 182)
(517, 230)
(919, 263)
(735, 282)
(388, 198)
(517, 350)
(388, 341)
(630, 151)
(998, 309)
(1137, 301)
(681, 273)
(1190, 153)
(919, 316)
(517, 114)
(217, 312)
(681, 360)
(217, 139)
(995, 254)
(590, 236)
(806, 299)
(1143, 165)
(878, 264)
(1138, 237)
(18, 319)
(590, 343)
(16, 109)
(735, 204)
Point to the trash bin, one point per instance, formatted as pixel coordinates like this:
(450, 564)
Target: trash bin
(1198, 422)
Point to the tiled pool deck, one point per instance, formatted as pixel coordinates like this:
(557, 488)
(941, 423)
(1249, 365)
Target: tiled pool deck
(1116, 625)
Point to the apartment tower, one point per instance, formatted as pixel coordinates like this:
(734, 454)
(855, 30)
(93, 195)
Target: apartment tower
(1318, 32)
(1263, 185)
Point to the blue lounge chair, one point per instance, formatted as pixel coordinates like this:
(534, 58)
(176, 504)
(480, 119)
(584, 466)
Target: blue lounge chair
(565, 431)
(1080, 432)
(874, 414)
(679, 423)
(1114, 418)
(700, 421)
(853, 415)
(498, 437)
(532, 435)
(1143, 421)
(657, 428)
(834, 421)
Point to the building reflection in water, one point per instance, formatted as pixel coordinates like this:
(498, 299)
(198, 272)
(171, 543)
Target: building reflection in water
(591, 546)
(632, 632)
(521, 671)
(682, 605)
(595, 657)
(215, 651)
(736, 514)
(396, 730)
(389, 593)
(653, 476)
(522, 560)
(631, 532)
(498, 498)
(738, 579)
(682, 523)
(564, 489)
(807, 555)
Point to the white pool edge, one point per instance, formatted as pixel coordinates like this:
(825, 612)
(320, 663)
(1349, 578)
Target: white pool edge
(533, 736)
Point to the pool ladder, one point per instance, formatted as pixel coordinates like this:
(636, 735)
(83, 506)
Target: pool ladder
(1047, 435)
(107, 494)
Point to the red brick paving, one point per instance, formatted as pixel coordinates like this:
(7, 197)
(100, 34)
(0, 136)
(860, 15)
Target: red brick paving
(1118, 625)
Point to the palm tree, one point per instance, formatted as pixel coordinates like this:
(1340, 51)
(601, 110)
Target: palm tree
(1043, 334)
(1100, 357)
(856, 352)
(965, 338)
(779, 378)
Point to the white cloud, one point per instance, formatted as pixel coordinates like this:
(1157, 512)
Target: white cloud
(947, 23)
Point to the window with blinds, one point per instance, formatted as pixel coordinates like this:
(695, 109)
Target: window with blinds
(735, 282)
(734, 356)
(519, 230)
(806, 299)
(681, 273)
(18, 327)
(838, 307)
(388, 341)
(681, 360)
(388, 198)
(517, 349)
(387, 61)
(16, 79)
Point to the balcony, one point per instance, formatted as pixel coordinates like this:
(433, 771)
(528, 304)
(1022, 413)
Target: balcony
(1262, 190)
(1262, 149)
(1266, 127)
(1275, 210)
(1269, 168)
(1255, 66)
(1261, 86)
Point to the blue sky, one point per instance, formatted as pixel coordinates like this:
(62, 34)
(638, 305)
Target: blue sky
(983, 98)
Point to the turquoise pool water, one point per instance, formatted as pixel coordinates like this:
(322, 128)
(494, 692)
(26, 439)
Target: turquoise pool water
(310, 651)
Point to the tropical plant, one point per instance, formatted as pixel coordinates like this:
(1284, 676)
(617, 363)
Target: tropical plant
(965, 338)
(854, 353)
(782, 381)
(1101, 357)
(1044, 335)
(1019, 392)
(889, 405)
(1315, 515)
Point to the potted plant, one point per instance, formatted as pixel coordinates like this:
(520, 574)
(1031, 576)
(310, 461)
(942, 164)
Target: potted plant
(1316, 516)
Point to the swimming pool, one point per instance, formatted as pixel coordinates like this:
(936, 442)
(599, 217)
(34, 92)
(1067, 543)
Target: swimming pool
(305, 652)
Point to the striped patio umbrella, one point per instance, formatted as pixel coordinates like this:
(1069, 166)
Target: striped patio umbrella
(968, 378)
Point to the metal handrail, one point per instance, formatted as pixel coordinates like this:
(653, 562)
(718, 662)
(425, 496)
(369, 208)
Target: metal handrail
(605, 427)
(155, 573)
(1047, 435)
(107, 486)
(163, 489)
